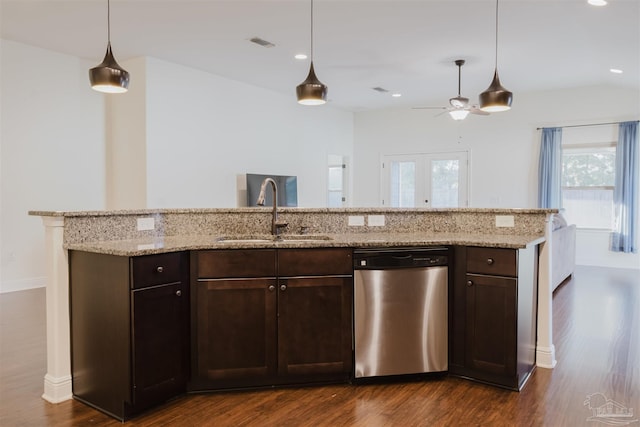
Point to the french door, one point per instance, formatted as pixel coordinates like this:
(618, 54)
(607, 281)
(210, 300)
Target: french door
(433, 180)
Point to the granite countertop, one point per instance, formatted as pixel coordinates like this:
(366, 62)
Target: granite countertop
(155, 245)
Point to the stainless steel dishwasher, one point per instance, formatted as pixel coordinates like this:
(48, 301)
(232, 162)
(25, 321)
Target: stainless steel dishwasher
(400, 311)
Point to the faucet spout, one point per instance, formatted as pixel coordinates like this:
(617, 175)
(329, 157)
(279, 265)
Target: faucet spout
(275, 224)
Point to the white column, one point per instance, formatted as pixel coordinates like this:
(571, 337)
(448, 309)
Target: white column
(545, 350)
(57, 381)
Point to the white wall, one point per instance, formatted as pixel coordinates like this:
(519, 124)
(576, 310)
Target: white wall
(179, 138)
(204, 130)
(126, 152)
(52, 139)
(504, 148)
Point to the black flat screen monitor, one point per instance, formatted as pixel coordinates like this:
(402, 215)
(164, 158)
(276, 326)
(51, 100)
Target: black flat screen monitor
(287, 190)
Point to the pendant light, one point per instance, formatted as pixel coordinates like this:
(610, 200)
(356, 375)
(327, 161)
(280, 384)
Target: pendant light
(496, 98)
(109, 77)
(312, 91)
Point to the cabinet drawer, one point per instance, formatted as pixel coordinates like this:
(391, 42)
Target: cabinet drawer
(151, 270)
(314, 262)
(494, 261)
(236, 263)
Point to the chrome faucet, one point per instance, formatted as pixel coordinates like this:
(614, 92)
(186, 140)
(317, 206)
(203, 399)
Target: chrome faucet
(275, 224)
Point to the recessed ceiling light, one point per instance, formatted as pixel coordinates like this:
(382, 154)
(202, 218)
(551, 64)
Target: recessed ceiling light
(396, 95)
(615, 70)
(301, 56)
(597, 2)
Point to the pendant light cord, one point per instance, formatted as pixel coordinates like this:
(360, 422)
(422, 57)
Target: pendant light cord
(311, 30)
(109, 22)
(496, 65)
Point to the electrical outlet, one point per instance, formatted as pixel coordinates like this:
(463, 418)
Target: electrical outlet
(146, 223)
(505, 221)
(375, 220)
(356, 221)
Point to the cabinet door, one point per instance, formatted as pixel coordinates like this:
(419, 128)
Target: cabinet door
(314, 326)
(234, 325)
(160, 337)
(491, 324)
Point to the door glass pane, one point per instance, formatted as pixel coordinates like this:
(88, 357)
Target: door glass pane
(444, 183)
(403, 184)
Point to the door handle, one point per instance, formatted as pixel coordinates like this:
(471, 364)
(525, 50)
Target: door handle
(283, 287)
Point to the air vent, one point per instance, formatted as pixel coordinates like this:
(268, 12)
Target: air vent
(380, 89)
(261, 42)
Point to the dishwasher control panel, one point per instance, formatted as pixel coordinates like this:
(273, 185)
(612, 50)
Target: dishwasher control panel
(375, 259)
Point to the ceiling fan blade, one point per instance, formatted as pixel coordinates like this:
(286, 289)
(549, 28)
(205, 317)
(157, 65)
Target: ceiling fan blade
(476, 110)
(429, 108)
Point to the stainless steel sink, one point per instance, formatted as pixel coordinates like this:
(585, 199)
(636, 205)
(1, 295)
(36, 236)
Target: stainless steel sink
(302, 238)
(274, 239)
(245, 239)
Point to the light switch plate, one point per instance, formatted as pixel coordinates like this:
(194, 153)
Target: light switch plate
(505, 221)
(375, 220)
(356, 220)
(146, 223)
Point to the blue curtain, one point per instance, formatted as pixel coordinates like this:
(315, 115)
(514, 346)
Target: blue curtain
(550, 168)
(625, 192)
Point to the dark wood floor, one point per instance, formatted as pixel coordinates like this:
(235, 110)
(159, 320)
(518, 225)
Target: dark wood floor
(597, 338)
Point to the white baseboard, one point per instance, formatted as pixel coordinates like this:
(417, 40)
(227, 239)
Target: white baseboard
(22, 284)
(57, 390)
(546, 357)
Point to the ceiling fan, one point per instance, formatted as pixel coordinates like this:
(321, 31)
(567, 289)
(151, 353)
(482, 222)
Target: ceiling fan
(459, 106)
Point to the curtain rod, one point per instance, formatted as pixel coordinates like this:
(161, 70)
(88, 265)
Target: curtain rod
(593, 124)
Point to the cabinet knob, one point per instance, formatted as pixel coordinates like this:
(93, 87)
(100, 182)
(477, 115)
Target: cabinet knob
(469, 283)
(179, 293)
(272, 288)
(283, 287)
(160, 269)
(489, 261)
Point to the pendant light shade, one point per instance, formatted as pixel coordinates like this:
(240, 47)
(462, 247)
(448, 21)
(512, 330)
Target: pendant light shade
(109, 76)
(312, 91)
(496, 98)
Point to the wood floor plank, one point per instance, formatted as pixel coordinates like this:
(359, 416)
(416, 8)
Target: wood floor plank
(596, 333)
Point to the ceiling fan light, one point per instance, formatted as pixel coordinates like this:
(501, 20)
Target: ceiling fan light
(459, 114)
(109, 76)
(312, 91)
(496, 98)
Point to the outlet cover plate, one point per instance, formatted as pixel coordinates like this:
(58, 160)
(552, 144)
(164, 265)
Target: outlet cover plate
(146, 223)
(505, 221)
(375, 220)
(356, 220)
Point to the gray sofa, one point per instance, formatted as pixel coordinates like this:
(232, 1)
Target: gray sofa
(563, 250)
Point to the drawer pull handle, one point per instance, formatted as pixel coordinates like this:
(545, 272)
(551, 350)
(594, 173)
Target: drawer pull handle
(160, 269)
(179, 293)
(283, 287)
(490, 261)
(469, 283)
(272, 288)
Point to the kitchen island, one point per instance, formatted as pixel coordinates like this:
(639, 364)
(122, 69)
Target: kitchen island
(122, 234)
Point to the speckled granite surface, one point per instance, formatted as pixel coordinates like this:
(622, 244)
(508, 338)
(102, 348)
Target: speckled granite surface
(115, 232)
(146, 246)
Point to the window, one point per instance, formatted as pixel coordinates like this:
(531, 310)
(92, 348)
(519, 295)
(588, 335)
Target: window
(434, 180)
(336, 184)
(588, 177)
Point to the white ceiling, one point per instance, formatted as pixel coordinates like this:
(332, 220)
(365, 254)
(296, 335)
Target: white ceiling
(403, 46)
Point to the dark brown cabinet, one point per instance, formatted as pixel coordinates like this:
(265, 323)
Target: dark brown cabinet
(272, 316)
(129, 330)
(493, 333)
